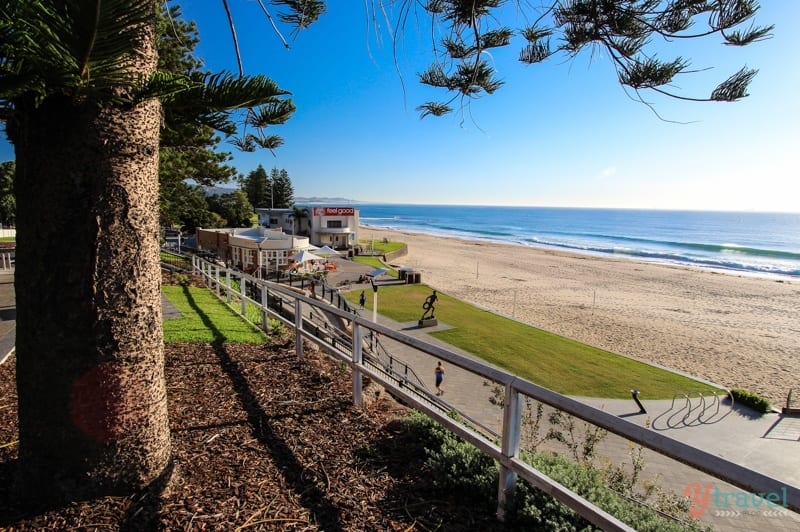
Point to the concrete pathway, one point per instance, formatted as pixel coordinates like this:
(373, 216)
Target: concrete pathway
(8, 314)
(168, 310)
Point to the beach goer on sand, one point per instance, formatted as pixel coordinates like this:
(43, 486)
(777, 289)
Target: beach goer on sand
(439, 372)
(362, 299)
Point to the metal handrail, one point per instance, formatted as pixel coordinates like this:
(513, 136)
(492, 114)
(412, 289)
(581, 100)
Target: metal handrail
(339, 339)
(388, 360)
(506, 452)
(176, 261)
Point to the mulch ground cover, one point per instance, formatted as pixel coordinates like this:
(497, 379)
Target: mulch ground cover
(262, 440)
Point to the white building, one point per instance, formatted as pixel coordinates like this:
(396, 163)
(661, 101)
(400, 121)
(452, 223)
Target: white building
(253, 249)
(281, 219)
(336, 227)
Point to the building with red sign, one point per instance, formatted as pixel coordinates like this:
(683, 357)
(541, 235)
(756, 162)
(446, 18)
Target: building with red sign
(336, 227)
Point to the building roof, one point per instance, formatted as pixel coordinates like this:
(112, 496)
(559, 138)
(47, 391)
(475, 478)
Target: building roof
(263, 238)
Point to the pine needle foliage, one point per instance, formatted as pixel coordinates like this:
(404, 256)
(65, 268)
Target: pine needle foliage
(622, 29)
(300, 13)
(77, 49)
(81, 49)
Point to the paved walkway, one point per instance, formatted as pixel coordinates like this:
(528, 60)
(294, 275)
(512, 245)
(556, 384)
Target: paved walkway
(769, 444)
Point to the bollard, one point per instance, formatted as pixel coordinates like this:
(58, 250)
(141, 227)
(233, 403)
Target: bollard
(635, 395)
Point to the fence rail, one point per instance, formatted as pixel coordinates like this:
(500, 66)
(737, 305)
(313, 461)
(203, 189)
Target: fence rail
(287, 305)
(7, 260)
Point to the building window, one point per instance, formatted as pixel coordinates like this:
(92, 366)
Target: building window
(334, 224)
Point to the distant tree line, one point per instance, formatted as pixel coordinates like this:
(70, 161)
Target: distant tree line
(189, 153)
(273, 191)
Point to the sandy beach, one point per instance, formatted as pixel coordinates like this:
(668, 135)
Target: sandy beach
(737, 331)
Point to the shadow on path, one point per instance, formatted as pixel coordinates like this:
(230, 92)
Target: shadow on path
(689, 414)
(784, 428)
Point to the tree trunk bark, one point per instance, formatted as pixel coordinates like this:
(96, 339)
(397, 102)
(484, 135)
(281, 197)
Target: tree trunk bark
(90, 355)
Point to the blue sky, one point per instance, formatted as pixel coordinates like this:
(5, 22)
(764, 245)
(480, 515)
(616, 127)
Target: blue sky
(559, 134)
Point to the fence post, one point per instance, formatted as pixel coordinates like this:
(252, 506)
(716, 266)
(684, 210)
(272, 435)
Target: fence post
(358, 398)
(512, 420)
(216, 277)
(298, 328)
(228, 285)
(243, 296)
(264, 304)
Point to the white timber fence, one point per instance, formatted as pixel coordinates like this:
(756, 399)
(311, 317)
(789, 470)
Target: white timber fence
(6, 260)
(232, 286)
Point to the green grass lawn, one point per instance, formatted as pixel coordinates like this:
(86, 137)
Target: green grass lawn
(555, 362)
(206, 319)
(375, 262)
(379, 245)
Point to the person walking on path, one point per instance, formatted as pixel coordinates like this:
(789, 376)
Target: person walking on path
(362, 299)
(439, 372)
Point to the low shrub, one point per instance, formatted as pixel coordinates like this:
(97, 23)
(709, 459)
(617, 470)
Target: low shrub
(752, 400)
(460, 470)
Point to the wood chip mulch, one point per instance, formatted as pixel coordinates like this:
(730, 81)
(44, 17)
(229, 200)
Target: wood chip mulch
(262, 440)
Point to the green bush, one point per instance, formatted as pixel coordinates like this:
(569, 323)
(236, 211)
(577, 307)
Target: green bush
(752, 400)
(535, 509)
(457, 468)
(463, 471)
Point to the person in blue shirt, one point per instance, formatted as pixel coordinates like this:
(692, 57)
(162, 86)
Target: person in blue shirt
(439, 372)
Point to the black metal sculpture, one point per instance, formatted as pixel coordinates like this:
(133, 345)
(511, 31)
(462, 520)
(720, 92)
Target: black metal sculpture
(429, 308)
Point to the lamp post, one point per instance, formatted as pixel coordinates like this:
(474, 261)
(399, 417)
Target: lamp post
(258, 246)
(374, 301)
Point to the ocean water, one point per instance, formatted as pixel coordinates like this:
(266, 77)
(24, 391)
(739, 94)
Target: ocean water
(763, 244)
